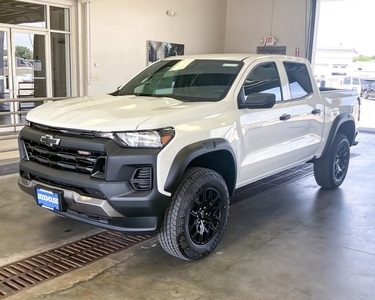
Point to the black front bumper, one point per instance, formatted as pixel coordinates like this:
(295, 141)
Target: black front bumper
(114, 200)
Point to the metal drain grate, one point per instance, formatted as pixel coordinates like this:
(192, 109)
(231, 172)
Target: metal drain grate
(37, 269)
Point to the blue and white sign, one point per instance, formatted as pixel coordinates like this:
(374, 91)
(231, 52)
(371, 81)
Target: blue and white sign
(47, 199)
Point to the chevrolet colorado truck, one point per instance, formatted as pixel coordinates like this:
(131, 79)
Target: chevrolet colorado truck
(165, 152)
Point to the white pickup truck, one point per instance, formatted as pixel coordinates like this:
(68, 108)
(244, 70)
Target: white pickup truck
(166, 151)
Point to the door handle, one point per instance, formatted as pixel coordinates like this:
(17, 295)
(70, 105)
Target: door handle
(285, 117)
(316, 111)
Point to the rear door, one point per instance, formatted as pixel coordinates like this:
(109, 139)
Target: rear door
(308, 111)
(265, 141)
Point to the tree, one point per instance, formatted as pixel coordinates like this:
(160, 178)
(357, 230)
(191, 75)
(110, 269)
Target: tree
(363, 58)
(23, 52)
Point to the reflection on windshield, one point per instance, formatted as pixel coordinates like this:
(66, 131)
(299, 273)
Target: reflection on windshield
(184, 79)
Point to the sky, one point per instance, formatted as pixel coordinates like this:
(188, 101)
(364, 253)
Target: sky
(349, 24)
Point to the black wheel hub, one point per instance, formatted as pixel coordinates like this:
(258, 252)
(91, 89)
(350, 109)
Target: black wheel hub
(341, 162)
(205, 215)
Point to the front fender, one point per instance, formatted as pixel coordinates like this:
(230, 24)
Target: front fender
(215, 154)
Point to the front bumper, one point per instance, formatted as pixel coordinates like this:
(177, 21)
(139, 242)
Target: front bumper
(111, 201)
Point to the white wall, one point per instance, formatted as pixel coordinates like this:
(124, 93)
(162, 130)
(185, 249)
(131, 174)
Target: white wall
(248, 21)
(120, 29)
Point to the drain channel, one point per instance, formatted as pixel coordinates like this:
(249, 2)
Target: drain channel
(39, 268)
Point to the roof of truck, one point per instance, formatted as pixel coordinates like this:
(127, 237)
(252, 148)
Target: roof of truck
(232, 56)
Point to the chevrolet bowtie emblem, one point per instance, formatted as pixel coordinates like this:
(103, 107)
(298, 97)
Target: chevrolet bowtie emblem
(49, 140)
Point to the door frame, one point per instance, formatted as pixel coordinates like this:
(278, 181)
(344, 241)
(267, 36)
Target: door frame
(9, 58)
(47, 50)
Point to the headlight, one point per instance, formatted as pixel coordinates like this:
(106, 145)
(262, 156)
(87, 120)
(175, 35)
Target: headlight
(141, 139)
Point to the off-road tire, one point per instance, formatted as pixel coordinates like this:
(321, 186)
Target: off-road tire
(331, 170)
(197, 215)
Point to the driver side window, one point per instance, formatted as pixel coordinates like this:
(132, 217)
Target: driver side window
(264, 78)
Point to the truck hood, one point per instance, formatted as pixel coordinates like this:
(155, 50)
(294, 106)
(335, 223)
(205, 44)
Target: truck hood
(109, 113)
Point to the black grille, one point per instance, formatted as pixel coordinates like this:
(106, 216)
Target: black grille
(79, 161)
(142, 179)
(72, 132)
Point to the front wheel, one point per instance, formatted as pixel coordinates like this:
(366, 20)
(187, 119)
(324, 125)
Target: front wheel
(196, 218)
(331, 170)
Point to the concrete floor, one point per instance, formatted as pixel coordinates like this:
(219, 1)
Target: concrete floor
(295, 241)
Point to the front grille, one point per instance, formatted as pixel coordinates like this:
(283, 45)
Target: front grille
(79, 161)
(142, 179)
(72, 132)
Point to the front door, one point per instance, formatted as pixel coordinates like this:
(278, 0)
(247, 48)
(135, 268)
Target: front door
(266, 133)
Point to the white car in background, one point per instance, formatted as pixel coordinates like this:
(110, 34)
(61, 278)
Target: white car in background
(345, 82)
(352, 83)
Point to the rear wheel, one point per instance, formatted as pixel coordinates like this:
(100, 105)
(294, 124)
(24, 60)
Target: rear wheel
(331, 170)
(196, 218)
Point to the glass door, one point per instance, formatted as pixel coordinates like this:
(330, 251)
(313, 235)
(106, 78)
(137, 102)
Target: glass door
(4, 71)
(35, 61)
(5, 83)
(29, 66)
(24, 71)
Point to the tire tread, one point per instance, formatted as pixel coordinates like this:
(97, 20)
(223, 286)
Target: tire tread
(323, 167)
(171, 235)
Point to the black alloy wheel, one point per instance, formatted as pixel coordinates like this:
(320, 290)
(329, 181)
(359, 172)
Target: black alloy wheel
(197, 215)
(341, 162)
(330, 170)
(205, 215)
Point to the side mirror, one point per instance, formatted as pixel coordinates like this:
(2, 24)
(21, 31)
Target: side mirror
(259, 100)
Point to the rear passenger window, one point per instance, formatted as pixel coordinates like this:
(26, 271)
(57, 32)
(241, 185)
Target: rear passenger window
(347, 80)
(299, 79)
(264, 78)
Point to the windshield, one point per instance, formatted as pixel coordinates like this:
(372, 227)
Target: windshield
(184, 79)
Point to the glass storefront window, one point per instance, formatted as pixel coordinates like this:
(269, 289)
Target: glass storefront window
(29, 68)
(22, 13)
(4, 76)
(60, 64)
(59, 18)
(4, 73)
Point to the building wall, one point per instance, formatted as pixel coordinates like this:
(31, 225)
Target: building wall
(119, 30)
(248, 21)
(334, 61)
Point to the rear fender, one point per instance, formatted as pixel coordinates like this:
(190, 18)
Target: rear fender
(344, 124)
